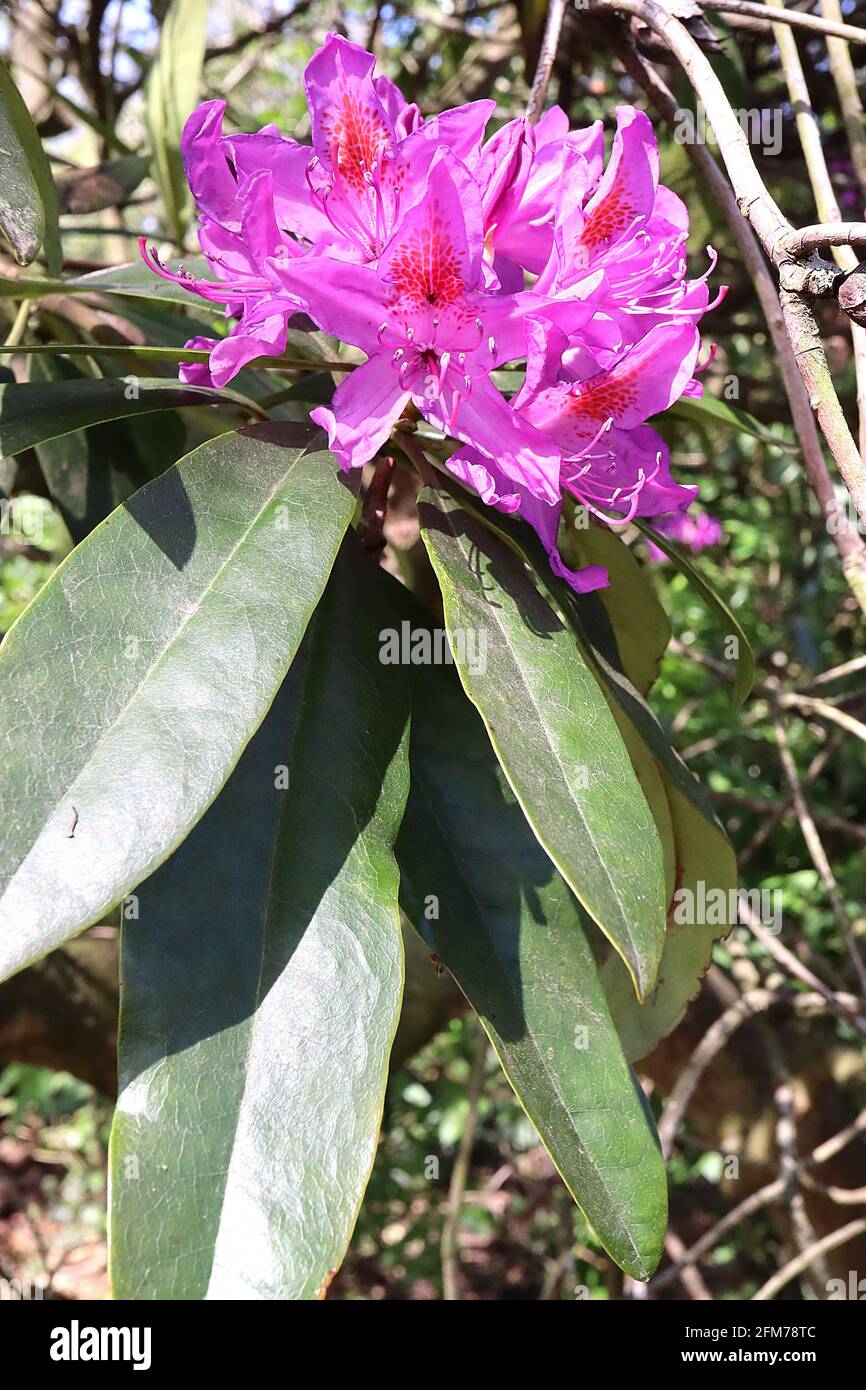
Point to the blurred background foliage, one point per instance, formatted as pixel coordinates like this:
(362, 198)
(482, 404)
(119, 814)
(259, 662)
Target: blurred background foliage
(83, 66)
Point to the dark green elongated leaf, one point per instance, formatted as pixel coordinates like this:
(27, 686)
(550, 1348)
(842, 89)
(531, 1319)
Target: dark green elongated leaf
(638, 619)
(171, 94)
(553, 733)
(703, 858)
(135, 280)
(711, 412)
(705, 867)
(132, 683)
(28, 199)
(278, 918)
(32, 413)
(478, 885)
(731, 625)
(90, 472)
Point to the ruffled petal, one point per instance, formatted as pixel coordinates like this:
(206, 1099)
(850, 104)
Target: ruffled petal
(363, 410)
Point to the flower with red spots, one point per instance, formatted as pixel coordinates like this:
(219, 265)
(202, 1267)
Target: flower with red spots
(443, 258)
(433, 330)
(613, 463)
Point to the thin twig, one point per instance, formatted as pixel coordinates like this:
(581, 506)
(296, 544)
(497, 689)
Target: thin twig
(772, 227)
(845, 79)
(546, 59)
(849, 543)
(816, 849)
(822, 186)
(812, 238)
(460, 1174)
(807, 1258)
(793, 17)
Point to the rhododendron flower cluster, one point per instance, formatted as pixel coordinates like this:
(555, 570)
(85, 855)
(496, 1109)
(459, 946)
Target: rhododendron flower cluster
(443, 257)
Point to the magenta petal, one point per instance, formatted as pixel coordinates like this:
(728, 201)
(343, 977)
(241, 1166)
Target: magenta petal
(437, 246)
(461, 129)
(628, 185)
(350, 125)
(485, 420)
(198, 373)
(206, 167)
(362, 412)
(346, 300)
(484, 475)
(266, 338)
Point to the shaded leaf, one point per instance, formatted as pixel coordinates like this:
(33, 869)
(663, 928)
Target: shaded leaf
(278, 918)
(32, 413)
(636, 615)
(90, 472)
(553, 733)
(709, 412)
(28, 200)
(132, 683)
(731, 625)
(490, 903)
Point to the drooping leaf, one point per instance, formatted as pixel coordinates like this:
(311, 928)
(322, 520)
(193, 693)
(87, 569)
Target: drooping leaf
(262, 983)
(710, 412)
(31, 413)
(705, 867)
(134, 280)
(553, 733)
(476, 882)
(132, 683)
(638, 619)
(28, 199)
(90, 472)
(703, 858)
(171, 93)
(106, 185)
(730, 623)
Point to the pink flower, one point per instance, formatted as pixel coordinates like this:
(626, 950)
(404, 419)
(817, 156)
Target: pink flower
(433, 329)
(695, 530)
(412, 240)
(630, 226)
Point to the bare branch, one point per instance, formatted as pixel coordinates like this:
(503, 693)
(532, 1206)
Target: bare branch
(807, 1258)
(546, 59)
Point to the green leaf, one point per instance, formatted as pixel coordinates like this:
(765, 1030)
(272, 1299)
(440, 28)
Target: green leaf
(705, 865)
(490, 903)
(134, 280)
(132, 683)
(638, 619)
(171, 93)
(261, 989)
(553, 733)
(90, 472)
(34, 412)
(710, 412)
(698, 855)
(731, 625)
(28, 199)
